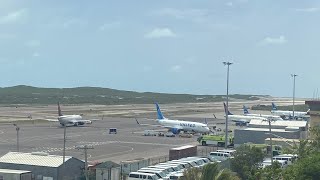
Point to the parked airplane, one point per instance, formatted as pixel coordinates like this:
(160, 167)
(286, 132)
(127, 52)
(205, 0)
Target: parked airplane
(175, 126)
(247, 113)
(70, 120)
(288, 114)
(239, 118)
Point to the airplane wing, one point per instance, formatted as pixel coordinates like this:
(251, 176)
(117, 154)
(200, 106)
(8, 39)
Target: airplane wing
(152, 125)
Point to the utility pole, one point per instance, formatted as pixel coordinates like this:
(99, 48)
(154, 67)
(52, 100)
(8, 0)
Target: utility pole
(294, 89)
(17, 129)
(227, 109)
(85, 148)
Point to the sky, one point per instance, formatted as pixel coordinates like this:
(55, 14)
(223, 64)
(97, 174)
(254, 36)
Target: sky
(162, 45)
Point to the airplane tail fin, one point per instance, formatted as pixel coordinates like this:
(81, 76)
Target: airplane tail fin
(225, 109)
(274, 107)
(159, 113)
(59, 110)
(205, 121)
(245, 110)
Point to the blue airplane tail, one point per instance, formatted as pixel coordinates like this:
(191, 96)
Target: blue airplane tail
(245, 110)
(274, 107)
(225, 109)
(159, 113)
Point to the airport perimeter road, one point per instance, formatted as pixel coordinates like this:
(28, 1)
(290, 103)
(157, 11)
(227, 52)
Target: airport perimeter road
(128, 144)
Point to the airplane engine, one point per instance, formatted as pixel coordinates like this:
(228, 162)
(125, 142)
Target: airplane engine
(175, 131)
(80, 123)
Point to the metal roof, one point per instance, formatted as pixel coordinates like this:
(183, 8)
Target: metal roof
(279, 123)
(13, 171)
(35, 159)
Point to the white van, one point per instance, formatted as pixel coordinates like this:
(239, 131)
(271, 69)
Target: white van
(287, 157)
(166, 170)
(220, 156)
(229, 151)
(142, 176)
(190, 162)
(267, 162)
(157, 172)
(185, 165)
(176, 176)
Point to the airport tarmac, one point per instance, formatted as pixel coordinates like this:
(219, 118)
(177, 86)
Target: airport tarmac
(128, 144)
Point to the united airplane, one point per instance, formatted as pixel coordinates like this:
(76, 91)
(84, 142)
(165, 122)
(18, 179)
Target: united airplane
(247, 113)
(288, 114)
(240, 118)
(175, 126)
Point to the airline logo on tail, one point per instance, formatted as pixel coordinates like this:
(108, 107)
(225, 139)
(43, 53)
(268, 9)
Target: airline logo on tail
(225, 109)
(59, 110)
(245, 110)
(274, 107)
(159, 113)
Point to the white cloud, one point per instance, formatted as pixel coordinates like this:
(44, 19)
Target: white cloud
(13, 17)
(35, 54)
(160, 33)
(111, 25)
(176, 68)
(32, 43)
(276, 40)
(312, 9)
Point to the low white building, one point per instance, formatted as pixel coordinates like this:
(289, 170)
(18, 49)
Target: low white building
(44, 166)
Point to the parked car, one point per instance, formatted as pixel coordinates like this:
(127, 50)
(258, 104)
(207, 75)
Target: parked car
(160, 134)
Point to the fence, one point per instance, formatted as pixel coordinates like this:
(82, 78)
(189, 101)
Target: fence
(136, 164)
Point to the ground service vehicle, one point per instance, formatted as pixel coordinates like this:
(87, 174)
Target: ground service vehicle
(216, 140)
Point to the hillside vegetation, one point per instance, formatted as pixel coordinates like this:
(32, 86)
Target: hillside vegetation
(96, 95)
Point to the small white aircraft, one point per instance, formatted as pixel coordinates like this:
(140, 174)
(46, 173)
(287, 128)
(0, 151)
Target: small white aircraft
(70, 120)
(273, 117)
(288, 114)
(175, 126)
(240, 118)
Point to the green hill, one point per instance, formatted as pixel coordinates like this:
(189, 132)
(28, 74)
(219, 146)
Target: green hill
(95, 95)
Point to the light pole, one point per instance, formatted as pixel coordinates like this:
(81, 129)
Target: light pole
(294, 89)
(227, 109)
(17, 129)
(64, 144)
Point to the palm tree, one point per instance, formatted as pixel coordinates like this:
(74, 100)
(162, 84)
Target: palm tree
(210, 172)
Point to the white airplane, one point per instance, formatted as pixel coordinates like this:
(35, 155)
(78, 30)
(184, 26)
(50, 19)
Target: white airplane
(175, 126)
(240, 118)
(288, 114)
(247, 113)
(70, 120)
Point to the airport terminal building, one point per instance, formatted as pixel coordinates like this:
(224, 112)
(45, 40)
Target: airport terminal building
(43, 165)
(258, 131)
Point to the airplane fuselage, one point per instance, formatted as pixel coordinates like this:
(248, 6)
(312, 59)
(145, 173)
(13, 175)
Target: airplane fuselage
(289, 113)
(184, 125)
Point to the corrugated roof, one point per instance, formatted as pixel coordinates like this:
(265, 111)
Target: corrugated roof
(35, 159)
(279, 123)
(13, 171)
